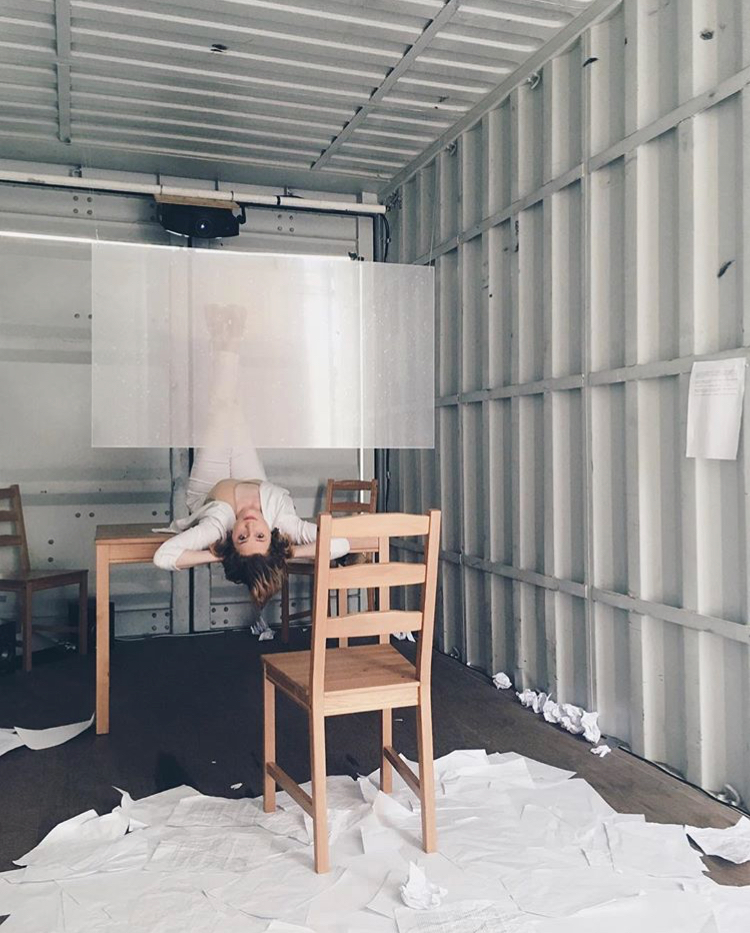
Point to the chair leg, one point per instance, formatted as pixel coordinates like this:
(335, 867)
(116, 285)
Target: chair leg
(343, 608)
(25, 597)
(426, 775)
(285, 611)
(386, 738)
(83, 616)
(269, 744)
(320, 809)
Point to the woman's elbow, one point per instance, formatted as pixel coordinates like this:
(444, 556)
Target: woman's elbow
(164, 561)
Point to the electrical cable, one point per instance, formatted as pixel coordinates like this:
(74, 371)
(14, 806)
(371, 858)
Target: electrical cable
(387, 238)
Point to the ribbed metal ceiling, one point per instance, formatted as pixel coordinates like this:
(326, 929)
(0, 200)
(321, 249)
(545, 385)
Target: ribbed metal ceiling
(353, 89)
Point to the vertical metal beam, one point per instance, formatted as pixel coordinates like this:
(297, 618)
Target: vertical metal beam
(62, 43)
(179, 469)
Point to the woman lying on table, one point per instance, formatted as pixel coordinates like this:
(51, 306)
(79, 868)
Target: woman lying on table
(249, 525)
(236, 516)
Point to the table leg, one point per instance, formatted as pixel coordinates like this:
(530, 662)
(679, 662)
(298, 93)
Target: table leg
(83, 615)
(102, 639)
(27, 595)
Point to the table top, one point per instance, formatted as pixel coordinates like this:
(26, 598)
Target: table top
(143, 534)
(129, 534)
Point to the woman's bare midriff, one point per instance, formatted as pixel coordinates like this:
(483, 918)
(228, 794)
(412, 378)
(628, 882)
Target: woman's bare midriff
(239, 493)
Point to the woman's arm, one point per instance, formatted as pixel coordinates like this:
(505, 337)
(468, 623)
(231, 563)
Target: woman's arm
(191, 547)
(193, 558)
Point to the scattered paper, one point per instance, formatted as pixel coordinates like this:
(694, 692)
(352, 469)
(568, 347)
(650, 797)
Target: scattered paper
(571, 718)
(527, 697)
(657, 849)
(657, 912)
(38, 739)
(714, 414)
(461, 917)
(277, 885)
(732, 843)
(551, 711)
(66, 832)
(524, 847)
(211, 851)
(502, 681)
(236, 786)
(279, 926)
(215, 811)
(266, 636)
(559, 892)
(601, 751)
(154, 810)
(344, 906)
(404, 636)
(9, 740)
(418, 893)
(259, 626)
(591, 730)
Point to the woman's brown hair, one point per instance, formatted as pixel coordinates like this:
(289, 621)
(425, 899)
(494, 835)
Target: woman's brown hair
(262, 574)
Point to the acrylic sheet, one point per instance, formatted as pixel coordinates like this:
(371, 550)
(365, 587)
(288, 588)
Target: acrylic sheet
(193, 348)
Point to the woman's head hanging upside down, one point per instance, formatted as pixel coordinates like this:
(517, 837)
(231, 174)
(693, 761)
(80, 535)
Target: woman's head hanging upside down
(261, 570)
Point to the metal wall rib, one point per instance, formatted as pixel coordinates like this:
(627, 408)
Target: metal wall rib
(589, 240)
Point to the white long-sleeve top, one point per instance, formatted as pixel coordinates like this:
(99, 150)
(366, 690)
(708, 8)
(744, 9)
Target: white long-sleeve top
(214, 520)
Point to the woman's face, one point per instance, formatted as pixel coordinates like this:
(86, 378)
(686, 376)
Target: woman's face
(251, 534)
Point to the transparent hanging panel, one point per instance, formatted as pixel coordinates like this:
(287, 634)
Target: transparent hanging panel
(194, 348)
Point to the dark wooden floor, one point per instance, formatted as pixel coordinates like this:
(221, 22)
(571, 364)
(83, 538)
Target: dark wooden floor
(188, 710)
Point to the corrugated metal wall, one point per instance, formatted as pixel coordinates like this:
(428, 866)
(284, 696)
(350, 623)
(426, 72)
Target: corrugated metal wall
(589, 236)
(68, 488)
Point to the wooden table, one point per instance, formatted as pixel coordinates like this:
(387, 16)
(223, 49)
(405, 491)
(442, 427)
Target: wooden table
(127, 544)
(115, 544)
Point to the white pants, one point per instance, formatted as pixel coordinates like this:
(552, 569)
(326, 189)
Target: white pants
(213, 464)
(216, 462)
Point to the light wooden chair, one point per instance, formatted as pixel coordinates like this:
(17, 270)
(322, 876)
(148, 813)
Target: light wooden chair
(336, 681)
(305, 568)
(25, 581)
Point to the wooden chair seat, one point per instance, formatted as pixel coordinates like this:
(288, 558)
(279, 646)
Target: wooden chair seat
(39, 579)
(357, 679)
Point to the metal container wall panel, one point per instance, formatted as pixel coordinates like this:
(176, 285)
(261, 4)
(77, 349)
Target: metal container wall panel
(589, 236)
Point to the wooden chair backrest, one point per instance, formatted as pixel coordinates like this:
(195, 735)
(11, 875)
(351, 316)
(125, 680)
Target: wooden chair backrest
(14, 515)
(347, 504)
(384, 621)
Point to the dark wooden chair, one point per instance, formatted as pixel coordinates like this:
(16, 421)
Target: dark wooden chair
(25, 581)
(343, 497)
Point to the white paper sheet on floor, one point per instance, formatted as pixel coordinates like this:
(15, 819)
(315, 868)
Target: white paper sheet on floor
(38, 739)
(732, 843)
(524, 847)
(9, 739)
